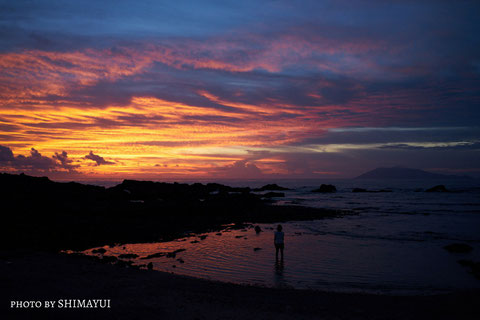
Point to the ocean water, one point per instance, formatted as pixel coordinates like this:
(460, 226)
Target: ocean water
(389, 243)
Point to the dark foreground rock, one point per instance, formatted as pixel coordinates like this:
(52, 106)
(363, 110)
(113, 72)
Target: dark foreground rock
(326, 188)
(148, 294)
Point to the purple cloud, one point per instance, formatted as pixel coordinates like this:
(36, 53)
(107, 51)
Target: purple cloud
(98, 159)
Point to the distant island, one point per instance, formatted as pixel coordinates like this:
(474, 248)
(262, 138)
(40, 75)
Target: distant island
(394, 173)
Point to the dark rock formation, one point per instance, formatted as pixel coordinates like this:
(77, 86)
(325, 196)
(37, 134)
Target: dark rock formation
(256, 249)
(43, 214)
(101, 251)
(258, 229)
(326, 188)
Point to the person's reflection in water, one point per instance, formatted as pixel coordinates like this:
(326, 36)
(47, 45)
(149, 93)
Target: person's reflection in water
(279, 265)
(279, 280)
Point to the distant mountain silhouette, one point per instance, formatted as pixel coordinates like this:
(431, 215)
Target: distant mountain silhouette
(405, 173)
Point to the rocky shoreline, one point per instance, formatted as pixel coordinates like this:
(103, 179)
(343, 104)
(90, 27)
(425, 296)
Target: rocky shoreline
(42, 214)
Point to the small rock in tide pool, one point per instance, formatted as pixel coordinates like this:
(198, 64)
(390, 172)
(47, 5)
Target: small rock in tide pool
(239, 237)
(194, 241)
(298, 233)
(256, 249)
(155, 255)
(258, 229)
(203, 237)
(180, 260)
(458, 248)
(174, 266)
(219, 234)
(173, 254)
(150, 266)
(101, 251)
(128, 256)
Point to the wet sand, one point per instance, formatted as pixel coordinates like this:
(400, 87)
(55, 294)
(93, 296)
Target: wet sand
(146, 294)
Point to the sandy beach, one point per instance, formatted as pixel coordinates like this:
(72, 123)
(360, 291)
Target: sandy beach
(149, 294)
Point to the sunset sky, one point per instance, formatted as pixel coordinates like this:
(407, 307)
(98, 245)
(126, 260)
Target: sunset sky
(238, 89)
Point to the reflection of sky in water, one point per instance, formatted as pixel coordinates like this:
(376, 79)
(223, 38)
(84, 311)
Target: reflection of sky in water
(313, 260)
(393, 243)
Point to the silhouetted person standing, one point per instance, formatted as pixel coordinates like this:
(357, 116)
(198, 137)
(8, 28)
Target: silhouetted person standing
(279, 241)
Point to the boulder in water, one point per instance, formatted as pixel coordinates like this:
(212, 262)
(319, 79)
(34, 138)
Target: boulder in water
(439, 188)
(326, 188)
